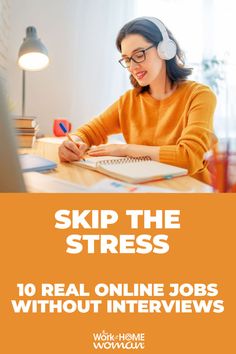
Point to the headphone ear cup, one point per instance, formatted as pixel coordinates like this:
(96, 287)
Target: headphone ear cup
(167, 49)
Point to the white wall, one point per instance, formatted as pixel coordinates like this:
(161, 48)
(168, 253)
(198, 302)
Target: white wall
(4, 37)
(83, 77)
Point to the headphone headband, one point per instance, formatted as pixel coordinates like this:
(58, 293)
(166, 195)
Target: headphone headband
(167, 47)
(160, 25)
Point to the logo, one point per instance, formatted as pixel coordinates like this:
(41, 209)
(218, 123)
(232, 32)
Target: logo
(106, 340)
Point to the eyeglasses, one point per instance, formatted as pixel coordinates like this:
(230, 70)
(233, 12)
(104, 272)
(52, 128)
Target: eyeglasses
(138, 57)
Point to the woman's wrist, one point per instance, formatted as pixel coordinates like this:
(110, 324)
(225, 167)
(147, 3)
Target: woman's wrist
(77, 139)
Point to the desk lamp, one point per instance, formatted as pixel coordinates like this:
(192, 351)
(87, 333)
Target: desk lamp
(33, 56)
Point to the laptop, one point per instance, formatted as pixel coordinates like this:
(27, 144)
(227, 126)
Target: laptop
(11, 179)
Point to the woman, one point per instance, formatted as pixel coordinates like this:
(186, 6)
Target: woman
(165, 116)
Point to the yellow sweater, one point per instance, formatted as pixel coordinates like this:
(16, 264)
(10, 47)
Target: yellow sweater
(181, 125)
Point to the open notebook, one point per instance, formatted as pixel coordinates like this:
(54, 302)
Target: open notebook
(131, 169)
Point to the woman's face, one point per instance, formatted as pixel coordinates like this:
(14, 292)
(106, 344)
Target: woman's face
(150, 69)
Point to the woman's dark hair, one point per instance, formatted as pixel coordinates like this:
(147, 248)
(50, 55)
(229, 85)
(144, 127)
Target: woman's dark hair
(176, 71)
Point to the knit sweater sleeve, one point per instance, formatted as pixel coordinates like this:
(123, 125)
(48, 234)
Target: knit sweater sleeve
(97, 130)
(196, 138)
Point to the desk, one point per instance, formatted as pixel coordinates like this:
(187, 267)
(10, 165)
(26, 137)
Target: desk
(85, 177)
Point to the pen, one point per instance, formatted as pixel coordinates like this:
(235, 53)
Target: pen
(63, 128)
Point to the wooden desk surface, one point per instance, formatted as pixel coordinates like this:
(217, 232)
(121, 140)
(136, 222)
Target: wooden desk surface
(86, 177)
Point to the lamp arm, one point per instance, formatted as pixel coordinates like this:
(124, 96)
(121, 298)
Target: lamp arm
(23, 93)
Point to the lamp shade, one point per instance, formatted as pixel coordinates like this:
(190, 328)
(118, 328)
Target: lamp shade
(33, 55)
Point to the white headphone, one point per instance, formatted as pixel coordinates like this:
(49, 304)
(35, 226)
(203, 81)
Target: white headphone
(166, 48)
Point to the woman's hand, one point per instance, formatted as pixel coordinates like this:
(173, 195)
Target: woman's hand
(131, 150)
(108, 150)
(69, 151)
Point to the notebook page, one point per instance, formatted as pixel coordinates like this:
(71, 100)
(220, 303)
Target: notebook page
(41, 183)
(142, 171)
(114, 186)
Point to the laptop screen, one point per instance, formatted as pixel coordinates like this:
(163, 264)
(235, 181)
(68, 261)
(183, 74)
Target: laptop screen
(11, 179)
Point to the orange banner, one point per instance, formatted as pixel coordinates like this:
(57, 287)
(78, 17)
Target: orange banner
(99, 273)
